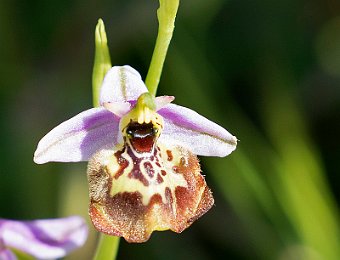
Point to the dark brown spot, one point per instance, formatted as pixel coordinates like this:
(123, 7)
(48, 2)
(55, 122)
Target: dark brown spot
(182, 161)
(123, 163)
(159, 178)
(149, 169)
(169, 199)
(163, 172)
(136, 173)
(170, 156)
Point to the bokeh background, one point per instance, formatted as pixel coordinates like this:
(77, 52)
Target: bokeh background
(268, 71)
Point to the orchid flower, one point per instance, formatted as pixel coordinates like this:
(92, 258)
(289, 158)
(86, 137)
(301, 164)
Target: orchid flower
(143, 171)
(42, 239)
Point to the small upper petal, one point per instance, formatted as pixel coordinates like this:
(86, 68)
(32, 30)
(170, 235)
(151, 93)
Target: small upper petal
(118, 108)
(44, 239)
(185, 127)
(121, 83)
(162, 101)
(79, 137)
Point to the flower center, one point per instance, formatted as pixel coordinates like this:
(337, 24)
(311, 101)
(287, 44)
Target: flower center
(142, 126)
(142, 164)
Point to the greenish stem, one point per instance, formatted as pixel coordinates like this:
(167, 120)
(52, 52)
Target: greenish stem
(102, 61)
(166, 14)
(108, 245)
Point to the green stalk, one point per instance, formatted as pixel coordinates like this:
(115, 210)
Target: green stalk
(108, 245)
(166, 14)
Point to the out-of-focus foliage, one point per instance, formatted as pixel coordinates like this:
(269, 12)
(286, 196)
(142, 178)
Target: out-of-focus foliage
(269, 71)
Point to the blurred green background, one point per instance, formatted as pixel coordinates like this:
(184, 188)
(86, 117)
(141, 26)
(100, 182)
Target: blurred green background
(268, 71)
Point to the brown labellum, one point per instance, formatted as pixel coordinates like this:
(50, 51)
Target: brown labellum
(133, 194)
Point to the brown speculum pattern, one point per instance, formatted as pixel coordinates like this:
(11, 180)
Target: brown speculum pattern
(144, 186)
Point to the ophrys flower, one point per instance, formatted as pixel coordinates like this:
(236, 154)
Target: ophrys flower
(143, 171)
